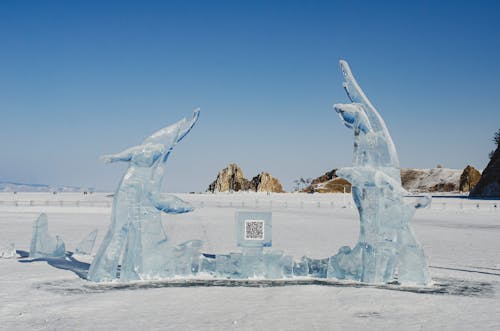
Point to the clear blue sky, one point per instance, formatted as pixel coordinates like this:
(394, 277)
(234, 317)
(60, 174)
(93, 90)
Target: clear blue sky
(79, 79)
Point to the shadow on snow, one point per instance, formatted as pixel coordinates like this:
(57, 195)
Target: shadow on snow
(68, 262)
(441, 286)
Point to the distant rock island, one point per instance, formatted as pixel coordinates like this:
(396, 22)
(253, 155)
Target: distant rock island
(328, 183)
(231, 178)
(489, 184)
(439, 179)
(413, 180)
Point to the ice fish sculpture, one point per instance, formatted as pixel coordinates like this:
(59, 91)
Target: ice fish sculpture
(136, 237)
(87, 244)
(42, 243)
(387, 251)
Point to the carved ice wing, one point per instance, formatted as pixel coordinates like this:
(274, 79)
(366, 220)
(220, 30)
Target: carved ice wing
(356, 94)
(147, 153)
(125, 155)
(174, 133)
(170, 204)
(375, 123)
(353, 116)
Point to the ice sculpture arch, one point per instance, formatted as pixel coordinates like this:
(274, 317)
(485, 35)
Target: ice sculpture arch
(387, 250)
(136, 236)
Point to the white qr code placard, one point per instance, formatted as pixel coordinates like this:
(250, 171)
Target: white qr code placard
(254, 230)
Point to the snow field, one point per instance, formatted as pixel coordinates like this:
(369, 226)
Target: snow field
(460, 241)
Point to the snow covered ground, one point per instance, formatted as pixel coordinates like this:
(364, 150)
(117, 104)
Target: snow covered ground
(461, 238)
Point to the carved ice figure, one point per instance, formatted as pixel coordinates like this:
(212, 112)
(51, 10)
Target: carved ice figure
(87, 244)
(387, 250)
(42, 243)
(136, 237)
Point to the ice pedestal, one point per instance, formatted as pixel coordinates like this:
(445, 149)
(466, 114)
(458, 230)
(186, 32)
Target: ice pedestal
(168, 262)
(253, 233)
(301, 268)
(42, 243)
(268, 265)
(387, 250)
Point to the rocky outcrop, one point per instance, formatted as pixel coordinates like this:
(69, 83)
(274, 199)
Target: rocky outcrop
(413, 180)
(489, 184)
(430, 180)
(264, 182)
(329, 175)
(335, 185)
(329, 183)
(439, 179)
(468, 179)
(231, 178)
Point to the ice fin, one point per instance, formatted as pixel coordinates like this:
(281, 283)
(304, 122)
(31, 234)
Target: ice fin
(8, 251)
(87, 244)
(353, 116)
(42, 243)
(174, 133)
(171, 204)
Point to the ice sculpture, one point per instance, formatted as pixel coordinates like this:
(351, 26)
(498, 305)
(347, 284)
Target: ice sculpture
(8, 251)
(136, 237)
(87, 244)
(42, 243)
(387, 251)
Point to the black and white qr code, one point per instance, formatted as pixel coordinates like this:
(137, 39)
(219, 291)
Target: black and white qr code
(254, 230)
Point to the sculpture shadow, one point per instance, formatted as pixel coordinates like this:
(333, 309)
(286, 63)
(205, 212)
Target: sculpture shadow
(68, 262)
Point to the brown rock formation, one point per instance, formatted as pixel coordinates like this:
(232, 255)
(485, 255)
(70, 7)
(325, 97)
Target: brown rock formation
(328, 183)
(430, 180)
(489, 184)
(415, 180)
(469, 178)
(335, 185)
(326, 177)
(444, 187)
(409, 176)
(264, 182)
(231, 179)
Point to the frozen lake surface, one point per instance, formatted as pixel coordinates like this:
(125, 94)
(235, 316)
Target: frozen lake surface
(461, 239)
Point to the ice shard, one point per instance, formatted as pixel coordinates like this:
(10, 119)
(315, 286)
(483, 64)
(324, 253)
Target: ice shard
(387, 250)
(8, 251)
(42, 243)
(136, 237)
(87, 244)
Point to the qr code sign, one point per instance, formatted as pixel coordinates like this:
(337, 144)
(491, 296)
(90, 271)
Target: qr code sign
(254, 230)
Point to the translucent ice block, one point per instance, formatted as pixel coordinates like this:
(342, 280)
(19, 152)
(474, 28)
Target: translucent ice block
(87, 244)
(7, 251)
(42, 243)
